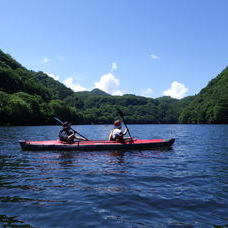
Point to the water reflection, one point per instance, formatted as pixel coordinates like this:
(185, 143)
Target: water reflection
(67, 158)
(13, 221)
(113, 156)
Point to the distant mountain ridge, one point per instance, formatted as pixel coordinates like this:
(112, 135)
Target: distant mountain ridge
(33, 98)
(92, 92)
(99, 92)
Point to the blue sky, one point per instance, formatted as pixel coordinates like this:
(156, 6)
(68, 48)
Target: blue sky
(145, 47)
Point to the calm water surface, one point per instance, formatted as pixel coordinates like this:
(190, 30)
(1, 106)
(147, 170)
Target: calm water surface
(185, 186)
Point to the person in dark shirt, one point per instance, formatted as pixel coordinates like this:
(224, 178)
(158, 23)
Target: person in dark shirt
(67, 134)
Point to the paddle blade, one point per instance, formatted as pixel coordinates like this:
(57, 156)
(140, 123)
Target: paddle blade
(57, 119)
(120, 112)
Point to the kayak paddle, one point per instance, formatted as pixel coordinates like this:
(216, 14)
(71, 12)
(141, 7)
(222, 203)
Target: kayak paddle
(122, 116)
(56, 118)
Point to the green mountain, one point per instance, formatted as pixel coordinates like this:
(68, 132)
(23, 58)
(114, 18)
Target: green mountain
(211, 104)
(34, 98)
(58, 90)
(29, 97)
(99, 92)
(15, 78)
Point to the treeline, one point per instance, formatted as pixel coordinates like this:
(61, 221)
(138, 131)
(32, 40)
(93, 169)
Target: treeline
(211, 104)
(25, 109)
(34, 98)
(102, 109)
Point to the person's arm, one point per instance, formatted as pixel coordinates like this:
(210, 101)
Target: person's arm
(73, 134)
(110, 137)
(80, 138)
(70, 137)
(125, 131)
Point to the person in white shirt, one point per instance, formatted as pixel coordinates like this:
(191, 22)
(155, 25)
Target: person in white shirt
(117, 133)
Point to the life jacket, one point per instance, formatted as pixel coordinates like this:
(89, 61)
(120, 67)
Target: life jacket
(63, 137)
(112, 138)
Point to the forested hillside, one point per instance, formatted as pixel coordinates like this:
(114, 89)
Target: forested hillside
(29, 97)
(211, 104)
(34, 98)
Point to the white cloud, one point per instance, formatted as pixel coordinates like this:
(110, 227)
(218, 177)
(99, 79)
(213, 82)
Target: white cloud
(118, 93)
(155, 57)
(148, 92)
(56, 77)
(114, 67)
(109, 83)
(45, 60)
(177, 90)
(69, 82)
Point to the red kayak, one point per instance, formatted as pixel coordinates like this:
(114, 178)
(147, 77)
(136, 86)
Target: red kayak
(96, 145)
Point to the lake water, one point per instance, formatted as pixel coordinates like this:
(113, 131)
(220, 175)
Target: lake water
(185, 186)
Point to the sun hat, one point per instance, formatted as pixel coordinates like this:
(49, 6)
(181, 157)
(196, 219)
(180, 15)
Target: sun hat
(117, 123)
(66, 124)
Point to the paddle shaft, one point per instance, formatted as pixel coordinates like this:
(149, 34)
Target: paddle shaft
(122, 116)
(71, 128)
(126, 127)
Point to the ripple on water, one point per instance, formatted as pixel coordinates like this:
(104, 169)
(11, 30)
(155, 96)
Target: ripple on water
(185, 186)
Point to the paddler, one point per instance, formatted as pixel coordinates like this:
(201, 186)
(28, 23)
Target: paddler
(67, 134)
(117, 133)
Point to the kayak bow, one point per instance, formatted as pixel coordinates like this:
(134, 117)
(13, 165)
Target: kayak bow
(95, 145)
